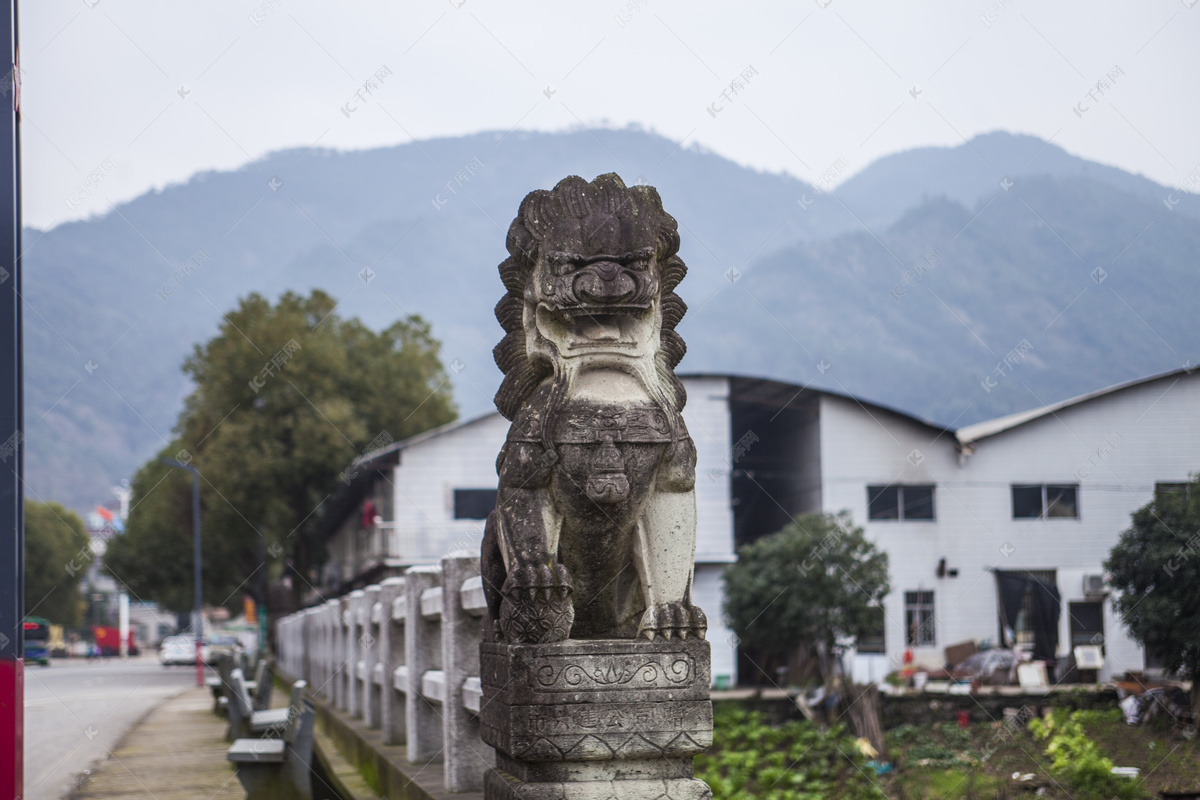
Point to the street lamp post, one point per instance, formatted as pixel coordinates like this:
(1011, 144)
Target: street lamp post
(12, 429)
(197, 625)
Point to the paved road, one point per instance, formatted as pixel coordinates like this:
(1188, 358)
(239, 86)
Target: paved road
(75, 712)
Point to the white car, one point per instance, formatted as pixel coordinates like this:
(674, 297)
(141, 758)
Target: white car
(179, 650)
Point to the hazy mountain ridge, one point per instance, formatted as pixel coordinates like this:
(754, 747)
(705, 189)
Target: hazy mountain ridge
(108, 326)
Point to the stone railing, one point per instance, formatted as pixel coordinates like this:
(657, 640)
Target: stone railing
(403, 656)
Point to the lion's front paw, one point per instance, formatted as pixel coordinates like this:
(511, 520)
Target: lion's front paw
(536, 606)
(673, 620)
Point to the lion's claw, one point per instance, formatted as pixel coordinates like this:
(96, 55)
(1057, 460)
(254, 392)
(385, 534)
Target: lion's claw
(679, 620)
(536, 607)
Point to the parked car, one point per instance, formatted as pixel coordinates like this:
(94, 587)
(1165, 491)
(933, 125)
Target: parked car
(219, 646)
(179, 650)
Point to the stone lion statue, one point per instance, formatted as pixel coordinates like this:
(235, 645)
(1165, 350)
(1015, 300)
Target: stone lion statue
(594, 531)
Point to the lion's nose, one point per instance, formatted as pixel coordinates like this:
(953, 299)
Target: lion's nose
(603, 283)
(606, 269)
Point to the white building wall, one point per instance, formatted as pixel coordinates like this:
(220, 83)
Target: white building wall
(1115, 447)
(707, 418)
(424, 528)
(861, 447)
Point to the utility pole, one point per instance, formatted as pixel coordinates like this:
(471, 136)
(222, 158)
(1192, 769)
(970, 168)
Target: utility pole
(262, 594)
(197, 619)
(12, 425)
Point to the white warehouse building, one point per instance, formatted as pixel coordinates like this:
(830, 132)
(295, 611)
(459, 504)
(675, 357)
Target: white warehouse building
(1016, 513)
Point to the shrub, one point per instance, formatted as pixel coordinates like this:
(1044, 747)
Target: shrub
(1078, 762)
(750, 760)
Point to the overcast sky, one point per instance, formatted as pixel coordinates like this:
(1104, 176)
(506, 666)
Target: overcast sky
(141, 94)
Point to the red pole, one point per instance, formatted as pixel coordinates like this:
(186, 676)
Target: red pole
(199, 665)
(12, 435)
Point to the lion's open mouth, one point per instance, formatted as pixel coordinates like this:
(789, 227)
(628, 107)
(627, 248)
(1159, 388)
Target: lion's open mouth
(604, 330)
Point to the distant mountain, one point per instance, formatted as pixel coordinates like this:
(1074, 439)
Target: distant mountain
(116, 302)
(1051, 289)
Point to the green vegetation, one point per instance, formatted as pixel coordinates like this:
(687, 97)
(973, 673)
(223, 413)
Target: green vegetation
(1068, 756)
(950, 746)
(750, 760)
(1077, 761)
(286, 397)
(1155, 568)
(815, 582)
(56, 557)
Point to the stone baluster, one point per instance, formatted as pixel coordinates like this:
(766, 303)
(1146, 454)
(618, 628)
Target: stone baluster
(380, 683)
(395, 650)
(341, 657)
(467, 758)
(368, 655)
(423, 657)
(353, 649)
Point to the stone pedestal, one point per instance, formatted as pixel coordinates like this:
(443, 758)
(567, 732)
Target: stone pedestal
(596, 719)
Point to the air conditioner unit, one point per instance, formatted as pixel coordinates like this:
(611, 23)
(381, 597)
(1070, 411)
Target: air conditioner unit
(1093, 586)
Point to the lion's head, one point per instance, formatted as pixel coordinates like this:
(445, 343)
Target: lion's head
(591, 274)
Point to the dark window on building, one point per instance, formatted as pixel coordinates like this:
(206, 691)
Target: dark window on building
(1181, 489)
(918, 502)
(875, 641)
(900, 502)
(919, 618)
(883, 502)
(1087, 623)
(1027, 502)
(1043, 501)
(1062, 501)
(473, 503)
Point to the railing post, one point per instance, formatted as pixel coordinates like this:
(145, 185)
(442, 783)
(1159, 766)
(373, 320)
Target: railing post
(383, 696)
(395, 653)
(423, 654)
(368, 640)
(354, 647)
(341, 654)
(308, 637)
(467, 758)
(326, 687)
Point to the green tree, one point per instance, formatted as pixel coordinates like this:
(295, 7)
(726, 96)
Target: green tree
(813, 584)
(56, 556)
(1155, 569)
(286, 397)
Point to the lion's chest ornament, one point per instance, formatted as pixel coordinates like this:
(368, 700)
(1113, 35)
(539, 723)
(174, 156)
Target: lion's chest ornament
(594, 531)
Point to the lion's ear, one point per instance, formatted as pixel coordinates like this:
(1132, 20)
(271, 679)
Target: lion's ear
(673, 271)
(509, 312)
(673, 309)
(514, 273)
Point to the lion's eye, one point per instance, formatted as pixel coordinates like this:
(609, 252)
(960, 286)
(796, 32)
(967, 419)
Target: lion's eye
(562, 263)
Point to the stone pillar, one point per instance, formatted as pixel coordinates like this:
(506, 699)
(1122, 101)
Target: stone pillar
(423, 662)
(368, 655)
(393, 713)
(308, 643)
(467, 759)
(354, 630)
(324, 684)
(341, 664)
(578, 720)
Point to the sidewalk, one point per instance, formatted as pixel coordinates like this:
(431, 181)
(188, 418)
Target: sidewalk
(176, 753)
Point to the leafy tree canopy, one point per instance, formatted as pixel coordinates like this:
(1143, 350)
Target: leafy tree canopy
(1155, 568)
(286, 397)
(816, 582)
(56, 557)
